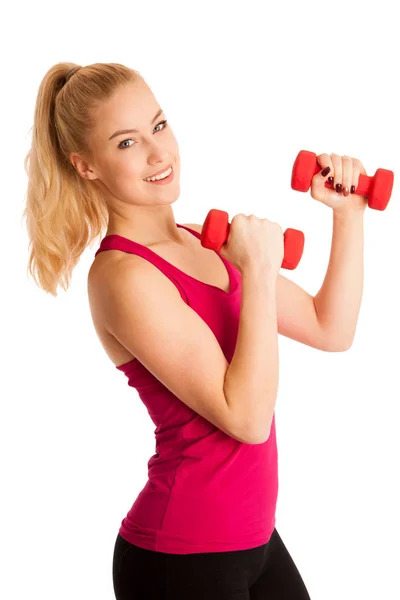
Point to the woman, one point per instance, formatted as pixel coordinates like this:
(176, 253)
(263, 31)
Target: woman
(193, 330)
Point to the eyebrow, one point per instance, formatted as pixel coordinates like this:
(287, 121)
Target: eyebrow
(121, 131)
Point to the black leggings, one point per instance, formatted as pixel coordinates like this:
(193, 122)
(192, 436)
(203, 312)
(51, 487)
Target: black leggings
(263, 573)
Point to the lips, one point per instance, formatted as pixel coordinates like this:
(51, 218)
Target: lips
(159, 172)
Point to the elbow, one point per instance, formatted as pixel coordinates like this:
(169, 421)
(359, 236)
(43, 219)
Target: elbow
(261, 440)
(255, 440)
(259, 437)
(338, 345)
(334, 340)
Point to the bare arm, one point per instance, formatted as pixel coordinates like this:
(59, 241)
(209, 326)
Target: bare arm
(251, 382)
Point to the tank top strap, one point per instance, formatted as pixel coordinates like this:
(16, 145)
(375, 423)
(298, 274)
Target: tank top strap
(118, 242)
(196, 233)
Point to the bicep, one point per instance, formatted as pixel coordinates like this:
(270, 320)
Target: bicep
(297, 316)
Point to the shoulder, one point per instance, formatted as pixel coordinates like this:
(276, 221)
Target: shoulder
(104, 264)
(194, 226)
(106, 271)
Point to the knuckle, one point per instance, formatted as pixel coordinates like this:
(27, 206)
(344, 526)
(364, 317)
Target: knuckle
(336, 161)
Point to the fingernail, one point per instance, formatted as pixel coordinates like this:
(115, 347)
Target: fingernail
(325, 171)
(338, 188)
(346, 191)
(330, 180)
(352, 189)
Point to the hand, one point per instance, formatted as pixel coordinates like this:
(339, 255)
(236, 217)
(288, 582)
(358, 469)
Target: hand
(343, 174)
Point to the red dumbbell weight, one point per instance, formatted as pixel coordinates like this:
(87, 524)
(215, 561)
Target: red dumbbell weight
(377, 189)
(216, 228)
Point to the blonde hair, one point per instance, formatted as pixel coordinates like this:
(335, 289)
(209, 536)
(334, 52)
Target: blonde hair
(64, 212)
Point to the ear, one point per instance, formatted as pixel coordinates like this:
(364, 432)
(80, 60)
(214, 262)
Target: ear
(82, 167)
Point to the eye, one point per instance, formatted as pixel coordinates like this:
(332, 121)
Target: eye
(164, 123)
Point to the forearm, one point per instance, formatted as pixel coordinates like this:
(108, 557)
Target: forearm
(251, 381)
(338, 301)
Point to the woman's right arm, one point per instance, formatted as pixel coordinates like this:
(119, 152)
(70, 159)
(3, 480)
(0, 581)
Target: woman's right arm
(144, 311)
(251, 382)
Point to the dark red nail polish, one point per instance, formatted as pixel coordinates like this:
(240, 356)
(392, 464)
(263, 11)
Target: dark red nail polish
(325, 171)
(346, 191)
(338, 188)
(330, 180)
(352, 189)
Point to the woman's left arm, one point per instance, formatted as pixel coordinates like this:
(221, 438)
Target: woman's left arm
(338, 301)
(328, 320)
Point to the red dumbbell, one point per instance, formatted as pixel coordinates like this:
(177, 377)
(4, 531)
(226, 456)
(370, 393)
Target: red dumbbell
(216, 228)
(378, 188)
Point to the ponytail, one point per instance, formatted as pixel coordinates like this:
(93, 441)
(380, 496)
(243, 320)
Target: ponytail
(65, 213)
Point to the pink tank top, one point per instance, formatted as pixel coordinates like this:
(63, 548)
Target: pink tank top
(206, 491)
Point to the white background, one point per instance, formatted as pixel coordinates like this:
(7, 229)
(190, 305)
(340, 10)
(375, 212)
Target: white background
(244, 86)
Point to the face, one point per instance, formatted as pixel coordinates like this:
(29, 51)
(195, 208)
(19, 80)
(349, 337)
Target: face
(119, 165)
